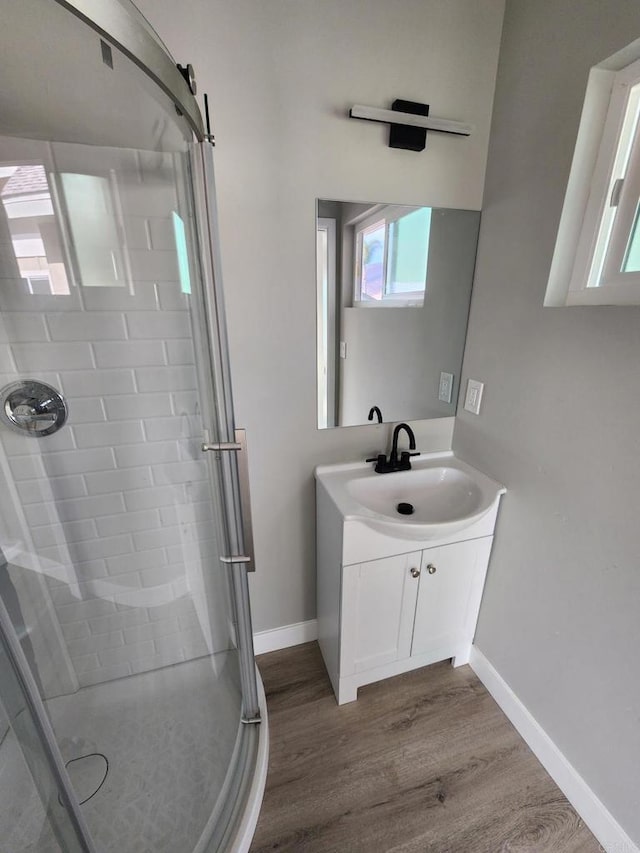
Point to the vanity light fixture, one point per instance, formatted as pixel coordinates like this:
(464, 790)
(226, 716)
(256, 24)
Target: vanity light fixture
(409, 122)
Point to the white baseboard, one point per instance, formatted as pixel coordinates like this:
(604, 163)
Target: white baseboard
(593, 812)
(288, 635)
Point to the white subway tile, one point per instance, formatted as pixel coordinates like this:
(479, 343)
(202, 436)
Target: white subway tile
(166, 378)
(152, 453)
(171, 297)
(95, 643)
(118, 621)
(158, 661)
(129, 353)
(16, 297)
(161, 575)
(84, 326)
(180, 607)
(188, 621)
(73, 531)
(156, 497)
(162, 429)
(98, 383)
(140, 199)
(180, 352)
(161, 233)
(185, 403)
(137, 561)
(90, 570)
(76, 630)
(78, 461)
(7, 363)
(16, 327)
(30, 467)
(127, 653)
(108, 434)
(15, 444)
(85, 663)
(137, 233)
(187, 513)
(103, 674)
(114, 546)
(151, 630)
(130, 406)
(118, 481)
(128, 522)
(148, 539)
(180, 472)
(85, 610)
(60, 356)
(90, 507)
(151, 265)
(52, 488)
(105, 299)
(159, 324)
(86, 411)
(192, 642)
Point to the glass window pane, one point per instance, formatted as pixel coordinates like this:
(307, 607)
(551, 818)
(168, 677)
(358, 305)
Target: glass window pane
(372, 262)
(631, 261)
(409, 253)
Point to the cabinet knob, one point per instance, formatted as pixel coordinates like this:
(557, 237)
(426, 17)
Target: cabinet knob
(431, 569)
(415, 573)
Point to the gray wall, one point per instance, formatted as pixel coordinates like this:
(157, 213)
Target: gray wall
(281, 76)
(395, 355)
(560, 617)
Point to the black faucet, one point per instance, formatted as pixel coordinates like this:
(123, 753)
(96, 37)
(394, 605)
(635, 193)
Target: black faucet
(374, 410)
(386, 466)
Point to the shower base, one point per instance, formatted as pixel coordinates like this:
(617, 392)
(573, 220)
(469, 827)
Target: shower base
(168, 736)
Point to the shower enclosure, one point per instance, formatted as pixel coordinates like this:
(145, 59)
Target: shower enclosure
(129, 703)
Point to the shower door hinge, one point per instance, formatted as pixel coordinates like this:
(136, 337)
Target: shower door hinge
(251, 721)
(240, 559)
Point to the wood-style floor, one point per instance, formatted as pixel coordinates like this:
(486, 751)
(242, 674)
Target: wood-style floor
(422, 762)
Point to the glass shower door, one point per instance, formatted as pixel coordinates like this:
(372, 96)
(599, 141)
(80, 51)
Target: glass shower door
(115, 522)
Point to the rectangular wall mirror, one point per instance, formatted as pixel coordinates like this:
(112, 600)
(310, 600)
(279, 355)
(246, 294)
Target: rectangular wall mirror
(393, 291)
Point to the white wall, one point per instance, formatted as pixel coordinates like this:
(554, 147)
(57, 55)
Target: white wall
(281, 76)
(559, 423)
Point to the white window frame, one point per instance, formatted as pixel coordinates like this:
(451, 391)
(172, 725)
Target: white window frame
(408, 300)
(595, 226)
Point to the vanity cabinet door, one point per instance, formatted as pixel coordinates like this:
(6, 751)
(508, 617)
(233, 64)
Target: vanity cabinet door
(451, 582)
(378, 606)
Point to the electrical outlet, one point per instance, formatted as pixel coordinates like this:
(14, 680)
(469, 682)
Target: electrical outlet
(473, 397)
(445, 389)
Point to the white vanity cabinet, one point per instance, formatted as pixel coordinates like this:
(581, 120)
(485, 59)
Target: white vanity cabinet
(387, 604)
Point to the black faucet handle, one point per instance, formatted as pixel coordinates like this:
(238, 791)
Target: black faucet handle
(377, 458)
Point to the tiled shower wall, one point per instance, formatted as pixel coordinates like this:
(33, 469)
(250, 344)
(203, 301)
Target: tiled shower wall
(117, 503)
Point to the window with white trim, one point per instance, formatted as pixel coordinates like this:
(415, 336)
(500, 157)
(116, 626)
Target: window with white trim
(597, 256)
(391, 255)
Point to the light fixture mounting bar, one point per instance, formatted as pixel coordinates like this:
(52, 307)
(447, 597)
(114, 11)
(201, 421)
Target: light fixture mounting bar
(442, 125)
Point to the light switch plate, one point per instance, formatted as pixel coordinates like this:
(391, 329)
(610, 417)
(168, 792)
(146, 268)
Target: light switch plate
(473, 397)
(343, 349)
(445, 389)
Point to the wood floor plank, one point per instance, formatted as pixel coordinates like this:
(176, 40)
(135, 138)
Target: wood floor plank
(424, 762)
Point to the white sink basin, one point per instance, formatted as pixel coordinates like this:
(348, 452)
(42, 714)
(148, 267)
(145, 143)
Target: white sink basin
(445, 495)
